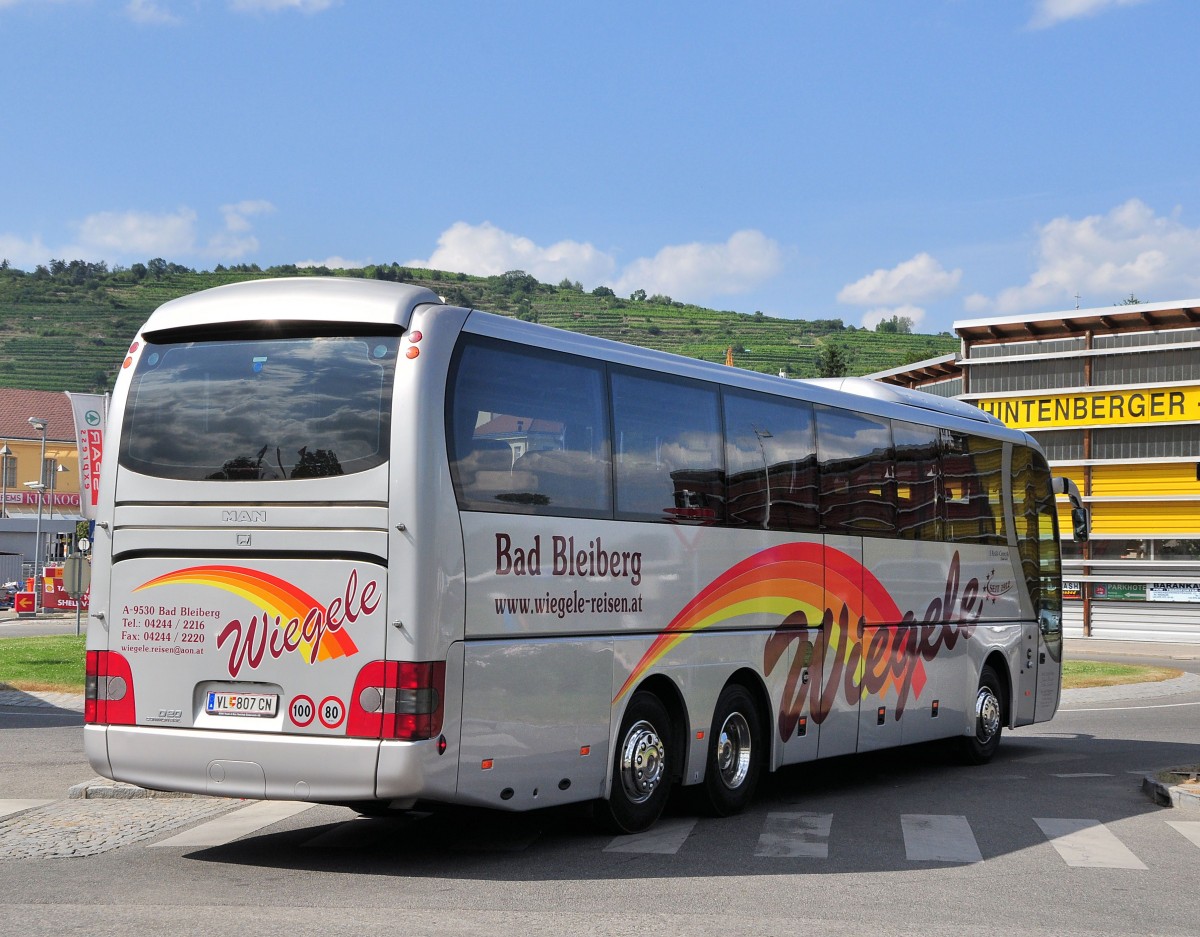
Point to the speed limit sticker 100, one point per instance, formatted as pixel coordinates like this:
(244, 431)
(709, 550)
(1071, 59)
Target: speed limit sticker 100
(302, 711)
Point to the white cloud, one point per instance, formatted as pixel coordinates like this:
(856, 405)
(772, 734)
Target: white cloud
(23, 253)
(682, 271)
(747, 259)
(486, 250)
(128, 236)
(872, 317)
(272, 6)
(138, 234)
(1104, 258)
(1047, 13)
(334, 263)
(150, 12)
(907, 282)
(236, 241)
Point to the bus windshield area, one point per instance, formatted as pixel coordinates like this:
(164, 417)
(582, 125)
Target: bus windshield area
(260, 409)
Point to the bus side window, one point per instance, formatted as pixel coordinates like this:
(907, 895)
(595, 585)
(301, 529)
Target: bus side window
(974, 481)
(527, 431)
(919, 505)
(771, 462)
(858, 483)
(667, 449)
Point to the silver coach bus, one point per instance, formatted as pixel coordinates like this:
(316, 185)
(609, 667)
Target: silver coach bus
(359, 546)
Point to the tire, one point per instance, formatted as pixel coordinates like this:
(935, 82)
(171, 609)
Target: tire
(735, 754)
(979, 747)
(642, 768)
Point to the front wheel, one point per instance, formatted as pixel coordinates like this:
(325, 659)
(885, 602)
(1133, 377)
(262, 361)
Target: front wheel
(978, 748)
(641, 768)
(735, 754)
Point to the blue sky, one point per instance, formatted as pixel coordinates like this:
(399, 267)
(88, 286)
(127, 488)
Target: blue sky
(944, 159)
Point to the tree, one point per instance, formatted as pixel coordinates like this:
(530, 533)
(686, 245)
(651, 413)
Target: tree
(566, 283)
(603, 291)
(638, 296)
(1131, 301)
(833, 359)
(896, 325)
(156, 268)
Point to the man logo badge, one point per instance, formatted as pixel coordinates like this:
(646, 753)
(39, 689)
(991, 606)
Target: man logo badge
(243, 517)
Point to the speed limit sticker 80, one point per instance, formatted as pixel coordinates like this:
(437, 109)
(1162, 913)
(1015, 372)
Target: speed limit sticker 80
(331, 712)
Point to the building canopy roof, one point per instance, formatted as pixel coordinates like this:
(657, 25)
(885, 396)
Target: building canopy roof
(1136, 317)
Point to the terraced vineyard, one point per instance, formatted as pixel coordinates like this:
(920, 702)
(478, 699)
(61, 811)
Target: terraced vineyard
(67, 331)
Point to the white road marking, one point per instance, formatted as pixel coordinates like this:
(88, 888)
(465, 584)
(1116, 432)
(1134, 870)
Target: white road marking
(664, 838)
(936, 838)
(9, 807)
(234, 825)
(1188, 828)
(795, 835)
(1082, 774)
(1088, 844)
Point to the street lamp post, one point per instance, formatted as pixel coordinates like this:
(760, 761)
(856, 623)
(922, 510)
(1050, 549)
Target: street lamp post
(5, 453)
(39, 425)
(37, 549)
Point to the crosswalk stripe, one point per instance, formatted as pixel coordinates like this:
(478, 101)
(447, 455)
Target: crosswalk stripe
(665, 838)
(9, 807)
(234, 825)
(1188, 828)
(795, 835)
(937, 838)
(1088, 844)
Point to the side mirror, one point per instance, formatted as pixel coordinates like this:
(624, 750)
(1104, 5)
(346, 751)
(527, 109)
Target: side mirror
(1079, 514)
(1079, 523)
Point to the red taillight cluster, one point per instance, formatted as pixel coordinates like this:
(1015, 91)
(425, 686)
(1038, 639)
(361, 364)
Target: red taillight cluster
(108, 689)
(397, 700)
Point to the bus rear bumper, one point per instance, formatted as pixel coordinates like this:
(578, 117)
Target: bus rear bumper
(253, 765)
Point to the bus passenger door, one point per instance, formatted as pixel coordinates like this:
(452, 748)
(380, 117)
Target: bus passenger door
(837, 659)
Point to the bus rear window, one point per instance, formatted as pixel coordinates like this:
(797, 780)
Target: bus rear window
(260, 409)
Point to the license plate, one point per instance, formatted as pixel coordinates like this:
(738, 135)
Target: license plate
(242, 704)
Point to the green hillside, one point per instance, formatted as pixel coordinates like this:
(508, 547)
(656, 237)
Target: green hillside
(67, 326)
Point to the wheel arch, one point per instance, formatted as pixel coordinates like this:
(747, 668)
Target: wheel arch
(667, 693)
(999, 663)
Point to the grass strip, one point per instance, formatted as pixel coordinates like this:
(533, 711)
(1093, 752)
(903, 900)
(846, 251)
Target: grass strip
(1078, 674)
(50, 663)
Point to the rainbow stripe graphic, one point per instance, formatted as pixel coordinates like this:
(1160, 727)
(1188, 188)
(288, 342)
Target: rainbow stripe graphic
(779, 581)
(277, 598)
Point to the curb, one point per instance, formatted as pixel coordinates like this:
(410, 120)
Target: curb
(104, 789)
(1172, 795)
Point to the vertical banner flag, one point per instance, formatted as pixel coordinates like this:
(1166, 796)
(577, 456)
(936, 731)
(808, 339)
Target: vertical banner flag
(90, 411)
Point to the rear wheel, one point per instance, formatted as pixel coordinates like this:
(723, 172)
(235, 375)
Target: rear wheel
(642, 768)
(978, 748)
(735, 754)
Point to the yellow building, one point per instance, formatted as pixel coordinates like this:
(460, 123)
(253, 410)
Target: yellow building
(38, 470)
(1113, 396)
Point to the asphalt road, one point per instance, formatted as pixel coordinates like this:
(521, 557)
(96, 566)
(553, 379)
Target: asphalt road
(1054, 836)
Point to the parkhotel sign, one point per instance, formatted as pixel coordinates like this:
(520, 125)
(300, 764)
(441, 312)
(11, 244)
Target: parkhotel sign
(1096, 408)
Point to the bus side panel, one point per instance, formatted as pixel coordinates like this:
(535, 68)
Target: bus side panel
(841, 662)
(535, 722)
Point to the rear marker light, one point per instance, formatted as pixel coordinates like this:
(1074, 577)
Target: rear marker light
(881, 715)
(486, 764)
(935, 709)
(585, 751)
(802, 726)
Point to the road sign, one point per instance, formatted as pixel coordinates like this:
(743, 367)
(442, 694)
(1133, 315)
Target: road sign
(77, 575)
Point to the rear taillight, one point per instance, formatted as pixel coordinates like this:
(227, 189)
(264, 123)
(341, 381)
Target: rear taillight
(397, 700)
(108, 689)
